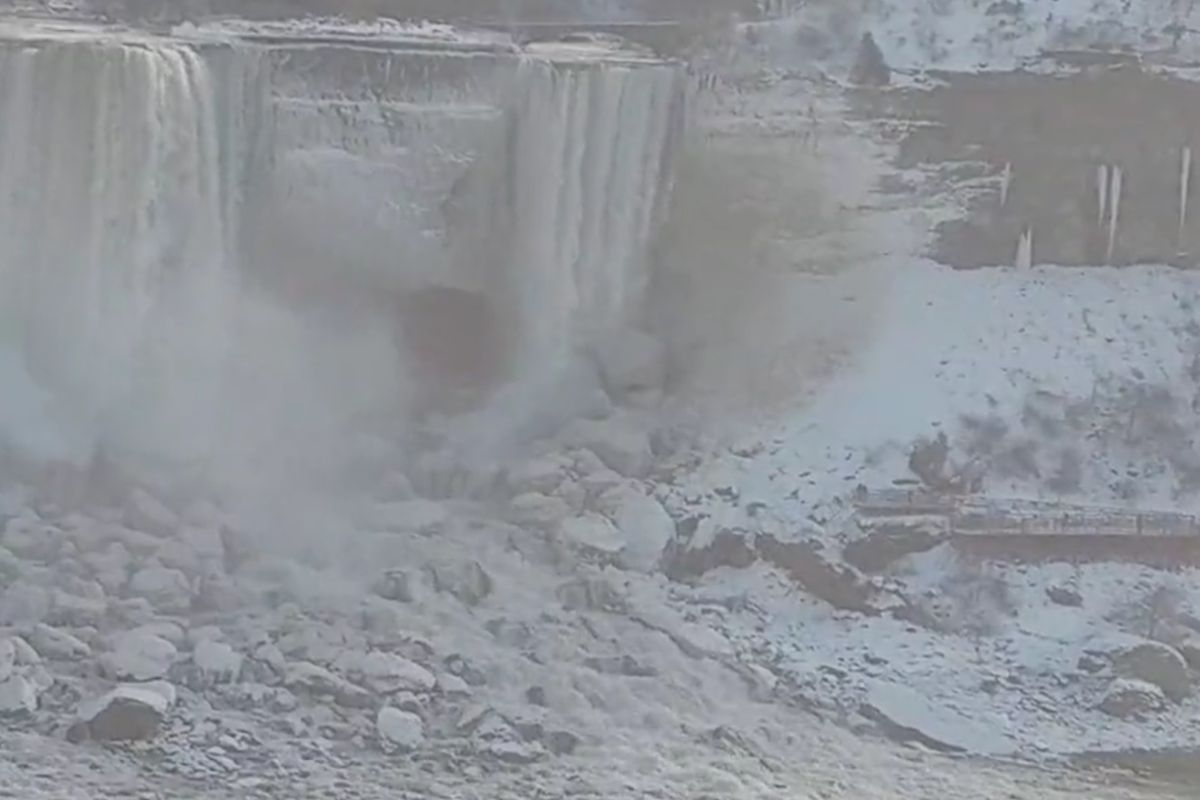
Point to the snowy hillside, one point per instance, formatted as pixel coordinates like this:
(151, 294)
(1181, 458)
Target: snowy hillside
(1051, 383)
(974, 34)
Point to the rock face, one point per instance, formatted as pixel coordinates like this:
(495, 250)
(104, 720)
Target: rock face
(1157, 664)
(167, 589)
(399, 730)
(127, 713)
(1130, 698)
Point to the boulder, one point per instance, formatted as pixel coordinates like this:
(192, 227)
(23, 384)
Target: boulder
(534, 510)
(1158, 664)
(399, 730)
(168, 590)
(1064, 595)
(592, 532)
(139, 656)
(216, 663)
(468, 581)
(541, 475)
(144, 512)
(1130, 698)
(126, 713)
(1189, 648)
(18, 695)
(622, 447)
(57, 644)
(644, 524)
(316, 680)
(8, 658)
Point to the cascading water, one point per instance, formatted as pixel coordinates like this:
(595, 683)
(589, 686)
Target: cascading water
(205, 244)
(121, 173)
(590, 170)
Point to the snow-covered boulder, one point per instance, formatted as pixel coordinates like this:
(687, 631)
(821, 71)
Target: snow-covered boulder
(1157, 664)
(1130, 698)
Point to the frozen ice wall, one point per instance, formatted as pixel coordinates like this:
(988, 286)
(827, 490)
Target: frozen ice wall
(121, 168)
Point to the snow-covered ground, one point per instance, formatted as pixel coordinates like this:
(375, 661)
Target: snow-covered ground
(976, 34)
(1089, 365)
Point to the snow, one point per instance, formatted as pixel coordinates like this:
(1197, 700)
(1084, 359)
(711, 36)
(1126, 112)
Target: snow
(956, 343)
(977, 34)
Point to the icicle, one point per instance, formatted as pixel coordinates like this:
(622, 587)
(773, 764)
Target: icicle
(1024, 258)
(1115, 193)
(1185, 178)
(1101, 194)
(1005, 182)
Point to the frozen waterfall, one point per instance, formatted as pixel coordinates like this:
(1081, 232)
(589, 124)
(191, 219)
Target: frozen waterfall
(139, 311)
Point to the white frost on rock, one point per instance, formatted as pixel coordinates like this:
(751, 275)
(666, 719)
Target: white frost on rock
(18, 695)
(592, 531)
(167, 589)
(1129, 697)
(126, 713)
(144, 512)
(216, 662)
(643, 522)
(401, 730)
(618, 442)
(53, 643)
(139, 656)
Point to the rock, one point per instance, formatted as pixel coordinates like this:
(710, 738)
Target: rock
(126, 713)
(71, 610)
(590, 594)
(535, 510)
(622, 447)
(561, 743)
(11, 568)
(315, 680)
(631, 361)
(1190, 650)
(1158, 664)
(385, 673)
(143, 512)
(166, 589)
(216, 663)
(396, 584)
(18, 695)
(1064, 595)
(592, 532)
(870, 68)
(453, 686)
(620, 665)
(165, 628)
(29, 538)
(400, 730)
(26, 656)
(510, 752)
(8, 658)
(420, 516)
(644, 524)
(56, 644)
(1131, 698)
(469, 582)
(538, 475)
(139, 656)
(24, 603)
(203, 633)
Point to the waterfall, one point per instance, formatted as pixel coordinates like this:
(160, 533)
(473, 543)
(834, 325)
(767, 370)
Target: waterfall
(1101, 194)
(589, 170)
(1005, 183)
(121, 173)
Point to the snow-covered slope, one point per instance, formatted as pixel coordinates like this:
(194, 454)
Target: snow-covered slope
(1053, 383)
(973, 34)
